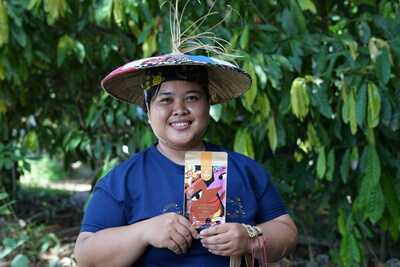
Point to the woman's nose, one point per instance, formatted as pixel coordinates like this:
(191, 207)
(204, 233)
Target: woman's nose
(180, 108)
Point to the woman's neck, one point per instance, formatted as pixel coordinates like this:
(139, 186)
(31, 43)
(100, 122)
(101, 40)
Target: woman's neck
(178, 155)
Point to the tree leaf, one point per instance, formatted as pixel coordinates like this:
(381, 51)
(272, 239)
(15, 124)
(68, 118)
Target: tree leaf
(375, 204)
(374, 105)
(308, 5)
(372, 166)
(341, 224)
(361, 104)
(321, 98)
(321, 163)
(388, 186)
(263, 105)
(19, 34)
(349, 252)
(288, 23)
(299, 98)
(382, 65)
(312, 137)
(4, 27)
(63, 48)
(20, 261)
(216, 112)
(352, 113)
(251, 94)
(298, 17)
(272, 135)
(345, 166)
(244, 37)
(119, 11)
(102, 12)
(243, 143)
(330, 167)
(79, 50)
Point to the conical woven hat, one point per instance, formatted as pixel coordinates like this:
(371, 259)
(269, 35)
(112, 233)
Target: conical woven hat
(225, 80)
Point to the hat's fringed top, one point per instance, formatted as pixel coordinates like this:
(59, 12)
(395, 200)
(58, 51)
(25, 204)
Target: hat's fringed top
(189, 40)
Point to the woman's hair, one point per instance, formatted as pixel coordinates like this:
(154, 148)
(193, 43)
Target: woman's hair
(154, 77)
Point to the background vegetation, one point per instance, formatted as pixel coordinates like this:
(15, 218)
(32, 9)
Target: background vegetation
(323, 113)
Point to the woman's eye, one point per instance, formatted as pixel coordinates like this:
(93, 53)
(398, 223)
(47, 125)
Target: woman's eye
(192, 97)
(165, 100)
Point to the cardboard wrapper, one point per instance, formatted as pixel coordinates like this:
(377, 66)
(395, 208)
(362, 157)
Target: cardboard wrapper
(205, 188)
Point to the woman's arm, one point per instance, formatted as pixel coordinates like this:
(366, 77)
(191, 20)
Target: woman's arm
(281, 238)
(122, 246)
(232, 239)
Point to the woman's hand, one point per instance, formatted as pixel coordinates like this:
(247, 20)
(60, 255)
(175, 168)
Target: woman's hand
(170, 230)
(228, 239)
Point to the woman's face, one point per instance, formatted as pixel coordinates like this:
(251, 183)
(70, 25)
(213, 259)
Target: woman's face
(179, 114)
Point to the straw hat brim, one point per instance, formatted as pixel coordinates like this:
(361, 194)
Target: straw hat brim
(226, 81)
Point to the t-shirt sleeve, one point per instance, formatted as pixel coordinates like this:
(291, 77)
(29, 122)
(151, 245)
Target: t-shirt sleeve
(103, 211)
(270, 204)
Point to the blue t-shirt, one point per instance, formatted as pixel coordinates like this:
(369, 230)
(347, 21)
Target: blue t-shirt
(148, 184)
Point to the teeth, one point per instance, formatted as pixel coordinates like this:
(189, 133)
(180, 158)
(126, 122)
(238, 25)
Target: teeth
(180, 124)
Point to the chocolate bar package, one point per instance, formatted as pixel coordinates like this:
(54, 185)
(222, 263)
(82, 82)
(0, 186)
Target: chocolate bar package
(205, 188)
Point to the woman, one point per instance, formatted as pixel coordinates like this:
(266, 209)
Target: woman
(134, 217)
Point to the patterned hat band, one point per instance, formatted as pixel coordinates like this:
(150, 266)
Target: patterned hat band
(155, 76)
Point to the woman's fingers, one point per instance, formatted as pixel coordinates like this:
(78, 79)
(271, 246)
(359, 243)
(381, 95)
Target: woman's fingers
(171, 231)
(230, 239)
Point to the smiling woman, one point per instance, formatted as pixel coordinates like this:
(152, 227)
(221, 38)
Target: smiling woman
(135, 216)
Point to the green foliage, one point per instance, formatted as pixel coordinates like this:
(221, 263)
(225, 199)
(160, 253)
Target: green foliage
(43, 170)
(25, 243)
(323, 114)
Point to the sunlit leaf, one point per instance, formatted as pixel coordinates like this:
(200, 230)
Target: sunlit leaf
(307, 5)
(299, 98)
(4, 27)
(243, 143)
(263, 104)
(272, 134)
(374, 105)
(119, 11)
(262, 77)
(251, 94)
(216, 112)
(102, 12)
(55, 10)
(79, 50)
(312, 137)
(64, 47)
